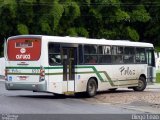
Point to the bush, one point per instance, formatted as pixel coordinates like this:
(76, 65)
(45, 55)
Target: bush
(158, 77)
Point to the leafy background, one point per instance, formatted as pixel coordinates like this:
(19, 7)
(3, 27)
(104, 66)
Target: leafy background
(135, 20)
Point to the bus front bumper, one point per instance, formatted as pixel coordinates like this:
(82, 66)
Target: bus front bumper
(40, 86)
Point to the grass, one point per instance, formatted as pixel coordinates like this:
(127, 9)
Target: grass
(158, 77)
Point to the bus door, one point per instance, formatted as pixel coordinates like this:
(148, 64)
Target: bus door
(151, 70)
(69, 61)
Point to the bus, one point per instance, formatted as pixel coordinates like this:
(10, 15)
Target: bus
(70, 65)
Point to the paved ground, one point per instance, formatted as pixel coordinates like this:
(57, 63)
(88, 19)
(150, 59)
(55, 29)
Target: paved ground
(124, 102)
(44, 103)
(146, 101)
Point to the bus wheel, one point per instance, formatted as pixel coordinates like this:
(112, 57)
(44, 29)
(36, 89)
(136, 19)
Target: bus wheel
(141, 84)
(91, 88)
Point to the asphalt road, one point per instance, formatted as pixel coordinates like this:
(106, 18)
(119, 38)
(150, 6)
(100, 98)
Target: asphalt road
(25, 103)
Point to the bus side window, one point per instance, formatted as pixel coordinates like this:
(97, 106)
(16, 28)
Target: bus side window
(129, 55)
(117, 54)
(91, 54)
(104, 53)
(150, 57)
(140, 55)
(54, 54)
(93, 59)
(80, 55)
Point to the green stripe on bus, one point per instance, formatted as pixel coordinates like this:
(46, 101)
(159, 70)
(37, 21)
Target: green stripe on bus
(95, 71)
(109, 79)
(61, 67)
(23, 73)
(58, 67)
(22, 67)
(60, 73)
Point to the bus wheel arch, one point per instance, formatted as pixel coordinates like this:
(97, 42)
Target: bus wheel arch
(142, 75)
(92, 86)
(95, 80)
(142, 83)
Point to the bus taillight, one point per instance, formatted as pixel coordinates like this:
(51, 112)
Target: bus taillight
(42, 74)
(6, 73)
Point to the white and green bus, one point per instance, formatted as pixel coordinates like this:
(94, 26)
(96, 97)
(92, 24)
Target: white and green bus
(67, 65)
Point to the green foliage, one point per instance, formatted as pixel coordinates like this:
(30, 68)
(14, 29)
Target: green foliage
(158, 77)
(56, 13)
(140, 14)
(157, 48)
(77, 32)
(110, 19)
(132, 33)
(22, 29)
(11, 5)
(82, 32)
(71, 10)
(107, 34)
(88, 2)
(72, 32)
(96, 14)
(121, 16)
(45, 27)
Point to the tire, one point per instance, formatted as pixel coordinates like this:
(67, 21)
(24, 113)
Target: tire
(141, 84)
(91, 88)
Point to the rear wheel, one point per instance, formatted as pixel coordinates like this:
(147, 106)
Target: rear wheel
(91, 88)
(141, 84)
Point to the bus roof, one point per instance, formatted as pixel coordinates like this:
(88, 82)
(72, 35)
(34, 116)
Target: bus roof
(82, 40)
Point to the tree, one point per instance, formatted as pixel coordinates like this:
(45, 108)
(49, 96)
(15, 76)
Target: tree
(7, 21)
(151, 34)
(136, 20)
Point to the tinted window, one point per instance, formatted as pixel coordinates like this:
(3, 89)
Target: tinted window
(129, 55)
(117, 53)
(54, 54)
(105, 50)
(140, 55)
(104, 54)
(91, 59)
(90, 49)
(90, 54)
(80, 49)
(150, 57)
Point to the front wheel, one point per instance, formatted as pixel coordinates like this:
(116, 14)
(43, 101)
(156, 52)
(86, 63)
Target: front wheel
(141, 84)
(91, 88)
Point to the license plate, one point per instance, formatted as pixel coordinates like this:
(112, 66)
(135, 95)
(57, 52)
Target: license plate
(22, 77)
